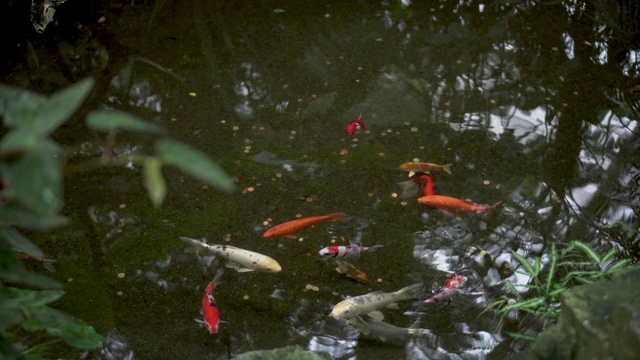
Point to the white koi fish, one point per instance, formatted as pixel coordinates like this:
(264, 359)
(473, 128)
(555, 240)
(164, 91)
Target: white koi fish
(239, 259)
(386, 332)
(370, 303)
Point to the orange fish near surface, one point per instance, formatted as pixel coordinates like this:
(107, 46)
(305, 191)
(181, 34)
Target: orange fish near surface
(415, 167)
(290, 228)
(454, 205)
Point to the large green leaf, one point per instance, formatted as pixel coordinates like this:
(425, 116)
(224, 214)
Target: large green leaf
(112, 120)
(39, 114)
(24, 140)
(194, 163)
(71, 330)
(154, 181)
(21, 216)
(18, 242)
(35, 180)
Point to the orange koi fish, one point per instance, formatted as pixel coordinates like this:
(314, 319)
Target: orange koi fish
(290, 228)
(46, 263)
(454, 205)
(425, 167)
(354, 125)
(351, 271)
(450, 289)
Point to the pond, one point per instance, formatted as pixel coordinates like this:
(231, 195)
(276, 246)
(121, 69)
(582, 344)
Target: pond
(533, 105)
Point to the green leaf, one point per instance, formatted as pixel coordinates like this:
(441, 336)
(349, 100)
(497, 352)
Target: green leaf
(35, 180)
(25, 140)
(588, 251)
(18, 242)
(23, 109)
(279, 11)
(618, 265)
(525, 263)
(526, 304)
(194, 163)
(552, 268)
(112, 120)
(29, 299)
(20, 216)
(154, 181)
(57, 323)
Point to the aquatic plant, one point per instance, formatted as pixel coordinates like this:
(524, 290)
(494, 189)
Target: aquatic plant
(31, 199)
(577, 264)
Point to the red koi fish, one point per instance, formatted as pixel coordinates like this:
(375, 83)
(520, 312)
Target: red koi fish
(46, 263)
(345, 252)
(351, 271)
(456, 206)
(354, 125)
(425, 167)
(450, 289)
(210, 313)
(290, 228)
(423, 182)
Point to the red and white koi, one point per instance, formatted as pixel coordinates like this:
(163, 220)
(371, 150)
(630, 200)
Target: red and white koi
(354, 125)
(345, 252)
(450, 289)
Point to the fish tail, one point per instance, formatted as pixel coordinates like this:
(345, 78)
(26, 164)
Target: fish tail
(376, 247)
(411, 291)
(195, 245)
(48, 264)
(496, 204)
(218, 276)
(488, 210)
(447, 168)
(336, 216)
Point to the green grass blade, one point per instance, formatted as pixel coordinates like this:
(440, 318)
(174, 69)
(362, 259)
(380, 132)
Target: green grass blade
(588, 251)
(525, 264)
(552, 268)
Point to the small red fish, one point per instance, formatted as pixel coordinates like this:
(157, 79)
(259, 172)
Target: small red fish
(46, 263)
(210, 313)
(344, 252)
(456, 206)
(354, 125)
(290, 228)
(450, 289)
(428, 187)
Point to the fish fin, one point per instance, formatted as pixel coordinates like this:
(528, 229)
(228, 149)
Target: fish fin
(393, 306)
(412, 291)
(411, 173)
(291, 236)
(447, 168)
(48, 264)
(195, 245)
(244, 269)
(376, 315)
(336, 216)
(218, 276)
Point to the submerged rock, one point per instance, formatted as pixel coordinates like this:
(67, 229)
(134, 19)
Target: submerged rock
(598, 321)
(285, 353)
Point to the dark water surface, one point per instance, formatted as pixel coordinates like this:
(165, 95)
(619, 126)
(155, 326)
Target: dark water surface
(534, 105)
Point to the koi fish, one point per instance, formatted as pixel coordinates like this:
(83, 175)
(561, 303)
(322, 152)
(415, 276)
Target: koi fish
(386, 332)
(289, 228)
(46, 263)
(345, 252)
(210, 313)
(354, 125)
(425, 167)
(239, 259)
(351, 271)
(371, 302)
(456, 206)
(450, 289)
(423, 182)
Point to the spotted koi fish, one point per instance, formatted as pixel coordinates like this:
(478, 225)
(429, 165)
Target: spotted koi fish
(345, 252)
(370, 303)
(424, 167)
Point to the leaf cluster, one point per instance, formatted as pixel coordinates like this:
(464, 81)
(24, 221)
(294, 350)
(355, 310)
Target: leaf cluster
(31, 197)
(575, 265)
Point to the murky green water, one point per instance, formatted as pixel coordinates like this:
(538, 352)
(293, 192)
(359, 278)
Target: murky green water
(517, 99)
